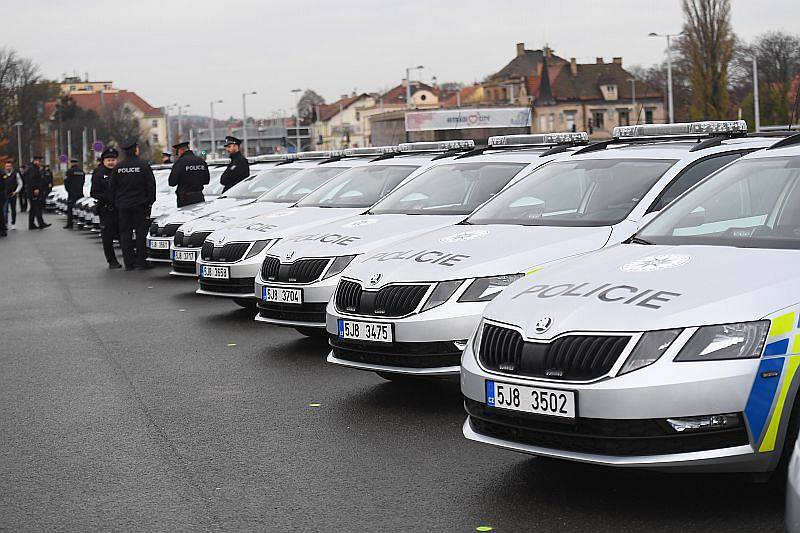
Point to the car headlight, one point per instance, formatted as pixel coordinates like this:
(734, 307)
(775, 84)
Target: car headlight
(742, 340)
(649, 349)
(485, 289)
(476, 339)
(338, 265)
(443, 291)
(260, 246)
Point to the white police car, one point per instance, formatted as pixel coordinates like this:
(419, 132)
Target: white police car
(677, 350)
(449, 189)
(265, 174)
(226, 271)
(314, 169)
(165, 195)
(409, 308)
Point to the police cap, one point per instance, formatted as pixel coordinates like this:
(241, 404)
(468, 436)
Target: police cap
(109, 152)
(230, 139)
(182, 144)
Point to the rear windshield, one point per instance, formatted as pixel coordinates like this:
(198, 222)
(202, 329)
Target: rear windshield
(358, 187)
(300, 184)
(261, 182)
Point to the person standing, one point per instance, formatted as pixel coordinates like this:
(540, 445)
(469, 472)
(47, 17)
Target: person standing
(133, 191)
(101, 191)
(74, 181)
(3, 200)
(239, 168)
(23, 194)
(47, 176)
(34, 189)
(13, 188)
(189, 174)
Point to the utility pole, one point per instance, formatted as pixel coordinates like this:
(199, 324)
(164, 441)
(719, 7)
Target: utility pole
(211, 127)
(669, 70)
(85, 147)
(755, 94)
(297, 122)
(69, 146)
(244, 121)
(633, 98)
(19, 142)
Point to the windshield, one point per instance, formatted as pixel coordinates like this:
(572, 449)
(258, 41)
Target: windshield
(214, 187)
(358, 187)
(300, 184)
(261, 182)
(598, 192)
(453, 189)
(752, 203)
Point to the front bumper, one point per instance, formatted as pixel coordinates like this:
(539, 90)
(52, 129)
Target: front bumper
(184, 268)
(425, 343)
(240, 283)
(159, 255)
(309, 314)
(621, 421)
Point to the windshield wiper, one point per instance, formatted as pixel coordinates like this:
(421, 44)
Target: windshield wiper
(637, 240)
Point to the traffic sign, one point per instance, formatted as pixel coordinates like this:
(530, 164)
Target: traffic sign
(98, 146)
(62, 158)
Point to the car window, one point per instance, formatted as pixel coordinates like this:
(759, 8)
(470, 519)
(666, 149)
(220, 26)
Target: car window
(214, 187)
(263, 181)
(300, 184)
(591, 192)
(358, 187)
(691, 176)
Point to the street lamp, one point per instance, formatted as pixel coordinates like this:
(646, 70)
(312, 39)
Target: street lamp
(408, 83)
(669, 69)
(18, 125)
(633, 93)
(211, 127)
(180, 120)
(297, 122)
(244, 120)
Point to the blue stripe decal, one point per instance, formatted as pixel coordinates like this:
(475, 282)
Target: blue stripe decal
(761, 395)
(777, 347)
(341, 328)
(490, 393)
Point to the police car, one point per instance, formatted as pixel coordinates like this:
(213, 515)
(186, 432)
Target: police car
(374, 172)
(314, 169)
(409, 308)
(676, 350)
(51, 203)
(441, 196)
(265, 174)
(165, 194)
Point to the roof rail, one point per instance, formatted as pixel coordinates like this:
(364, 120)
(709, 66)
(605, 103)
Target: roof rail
(786, 141)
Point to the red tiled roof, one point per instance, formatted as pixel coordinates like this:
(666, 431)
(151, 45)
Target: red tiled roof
(465, 93)
(397, 95)
(327, 111)
(95, 102)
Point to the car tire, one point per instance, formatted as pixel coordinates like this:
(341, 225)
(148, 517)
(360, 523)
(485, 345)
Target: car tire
(777, 478)
(246, 303)
(313, 333)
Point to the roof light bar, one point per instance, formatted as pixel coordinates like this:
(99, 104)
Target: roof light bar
(319, 154)
(267, 158)
(437, 146)
(371, 150)
(708, 127)
(547, 139)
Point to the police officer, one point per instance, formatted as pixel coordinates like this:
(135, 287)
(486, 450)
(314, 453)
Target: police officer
(166, 158)
(74, 181)
(238, 169)
(35, 186)
(4, 186)
(101, 191)
(133, 191)
(188, 174)
(47, 175)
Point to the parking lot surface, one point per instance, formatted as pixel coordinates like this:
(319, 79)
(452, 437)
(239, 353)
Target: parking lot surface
(129, 402)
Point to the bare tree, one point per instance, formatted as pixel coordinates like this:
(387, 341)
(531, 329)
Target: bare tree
(307, 106)
(707, 45)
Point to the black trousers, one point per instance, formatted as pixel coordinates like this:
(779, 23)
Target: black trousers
(35, 212)
(109, 230)
(23, 202)
(133, 219)
(190, 198)
(70, 205)
(11, 208)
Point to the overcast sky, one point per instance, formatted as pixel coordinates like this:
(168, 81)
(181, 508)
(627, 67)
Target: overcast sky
(191, 52)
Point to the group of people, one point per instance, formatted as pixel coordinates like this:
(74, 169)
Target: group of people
(29, 184)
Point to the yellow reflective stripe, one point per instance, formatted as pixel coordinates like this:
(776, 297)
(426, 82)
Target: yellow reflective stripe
(768, 444)
(796, 345)
(535, 270)
(782, 325)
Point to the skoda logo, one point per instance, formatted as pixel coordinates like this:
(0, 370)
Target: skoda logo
(543, 324)
(375, 279)
(290, 255)
(221, 239)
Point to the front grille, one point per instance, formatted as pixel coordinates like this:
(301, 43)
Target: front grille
(397, 354)
(195, 240)
(301, 271)
(312, 313)
(232, 286)
(166, 231)
(184, 267)
(157, 254)
(574, 357)
(393, 300)
(231, 252)
(597, 435)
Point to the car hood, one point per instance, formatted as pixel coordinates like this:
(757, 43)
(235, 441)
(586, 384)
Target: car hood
(184, 214)
(165, 205)
(230, 217)
(462, 251)
(631, 287)
(359, 234)
(278, 224)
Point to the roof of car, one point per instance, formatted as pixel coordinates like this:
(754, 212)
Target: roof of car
(680, 149)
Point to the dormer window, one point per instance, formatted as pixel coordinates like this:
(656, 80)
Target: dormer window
(609, 91)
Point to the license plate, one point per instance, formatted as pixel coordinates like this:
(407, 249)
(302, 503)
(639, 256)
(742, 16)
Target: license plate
(365, 331)
(183, 255)
(281, 295)
(534, 400)
(214, 272)
(157, 245)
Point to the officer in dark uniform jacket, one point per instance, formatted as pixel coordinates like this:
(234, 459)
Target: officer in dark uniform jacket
(238, 169)
(101, 191)
(133, 191)
(47, 176)
(35, 186)
(73, 183)
(3, 195)
(189, 173)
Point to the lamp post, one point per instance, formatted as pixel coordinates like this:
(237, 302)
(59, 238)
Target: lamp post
(755, 94)
(633, 98)
(669, 69)
(18, 125)
(180, 121)
(211, 127)
(244, 120)
(408, 83)
(297, 122)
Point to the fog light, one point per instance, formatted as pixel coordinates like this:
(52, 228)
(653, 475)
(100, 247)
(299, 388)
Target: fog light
(703, 423)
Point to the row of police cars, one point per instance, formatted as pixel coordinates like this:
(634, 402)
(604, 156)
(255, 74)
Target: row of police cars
(632, 302)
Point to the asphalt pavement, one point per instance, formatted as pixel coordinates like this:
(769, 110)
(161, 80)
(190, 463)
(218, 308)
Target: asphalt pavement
(127, 402)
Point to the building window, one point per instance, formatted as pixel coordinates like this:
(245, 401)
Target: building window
(71, 88)
(648, 116)
(155, 138)
(552, 124)
(599, 120)
(570, 120)
(542, 123)
(154, 123)
(624, 118)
